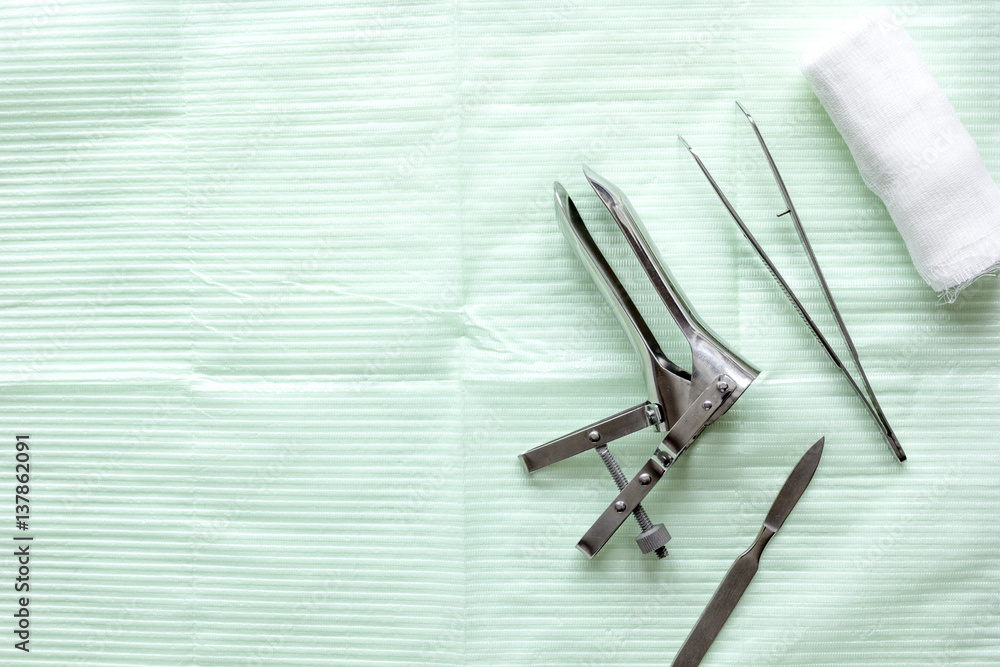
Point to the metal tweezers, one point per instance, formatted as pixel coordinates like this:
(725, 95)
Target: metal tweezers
(868, 395)
(680, 403)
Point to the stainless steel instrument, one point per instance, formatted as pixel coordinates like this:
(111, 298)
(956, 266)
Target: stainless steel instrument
(743, 570)
(867, 396)
(679, 402)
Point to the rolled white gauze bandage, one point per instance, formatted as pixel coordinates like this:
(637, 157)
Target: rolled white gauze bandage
(911, 148)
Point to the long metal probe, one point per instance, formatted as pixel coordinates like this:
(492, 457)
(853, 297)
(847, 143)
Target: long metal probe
(890, 437)
(888, 432)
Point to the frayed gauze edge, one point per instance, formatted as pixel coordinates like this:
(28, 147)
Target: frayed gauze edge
(882, 98)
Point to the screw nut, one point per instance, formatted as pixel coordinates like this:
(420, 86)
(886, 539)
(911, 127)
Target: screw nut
(652, 416)
(653, 539)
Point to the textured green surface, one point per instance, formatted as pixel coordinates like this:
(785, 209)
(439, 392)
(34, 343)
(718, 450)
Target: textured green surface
(283, 298)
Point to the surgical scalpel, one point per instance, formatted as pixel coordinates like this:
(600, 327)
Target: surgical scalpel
(743, 570)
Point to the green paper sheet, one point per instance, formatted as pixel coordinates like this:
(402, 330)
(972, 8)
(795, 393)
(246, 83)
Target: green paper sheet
(284, 297)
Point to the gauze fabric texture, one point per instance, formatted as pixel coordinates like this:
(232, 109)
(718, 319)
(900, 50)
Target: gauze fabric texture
(911, 148)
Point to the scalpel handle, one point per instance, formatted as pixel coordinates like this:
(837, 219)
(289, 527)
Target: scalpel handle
(722, 603)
